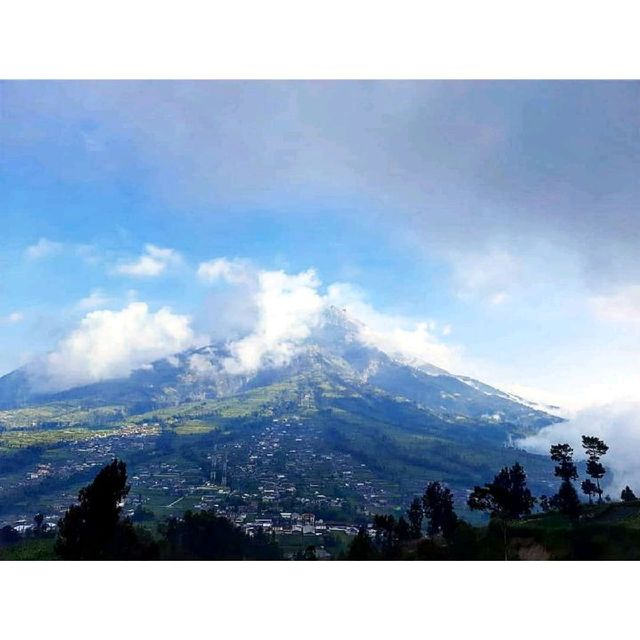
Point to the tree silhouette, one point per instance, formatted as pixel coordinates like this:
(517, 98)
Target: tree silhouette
(595, 449)
(403, 530)
(94, 529)
(362, 547)
(207, 536)
(506, 498)
(437, 504)
(309, 553)
(8, 535)
(415, 515)
(589, 487)
(563, 455)
(627, 495)
(566, 500)
(38, 525)
(386, 534)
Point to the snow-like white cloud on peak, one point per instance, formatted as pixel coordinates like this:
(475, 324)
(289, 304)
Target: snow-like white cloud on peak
(111, 344)
(152, 263)
(279, 311)
(285, 308)
(288, 308)
(414, 340)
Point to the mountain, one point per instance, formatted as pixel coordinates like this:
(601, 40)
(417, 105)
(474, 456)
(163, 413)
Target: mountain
(335, 348)
(340, 422)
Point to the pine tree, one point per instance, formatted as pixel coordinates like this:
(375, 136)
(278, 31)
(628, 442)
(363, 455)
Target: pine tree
(437, 504)
(627, 495)
(566, 500)
(415, 515)
(595, 449)
(563, 455)
(506, 498)
(403, 531)
(362, 547)
(94, 529)
(589, 488)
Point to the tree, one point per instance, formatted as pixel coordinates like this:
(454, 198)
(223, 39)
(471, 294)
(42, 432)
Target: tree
(566, 500)
(589, 487)
(362, 547)
(563, 455)
(386, 534)
(309, 553)
(206, 536)
(38, 524)
(403, 530)
(94, 529)
(437, 505)
(627, 495)
(415, 515)
(596, 470)
(595, 449)
(8, 535)
(544, 502)
(506, 498)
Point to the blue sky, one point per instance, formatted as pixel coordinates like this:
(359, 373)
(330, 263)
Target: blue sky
(504, 215)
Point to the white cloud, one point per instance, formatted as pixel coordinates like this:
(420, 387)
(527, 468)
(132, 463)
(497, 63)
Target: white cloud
(289, 307)
(44, 248)
(617, 424)
(111, 344)
(498, 298)
(13, 318)
(622, 306)
(488, 276)
(201, 366)
(96, 299)
(285, 308)
(152, 263)
(411, 339)
(232, 271)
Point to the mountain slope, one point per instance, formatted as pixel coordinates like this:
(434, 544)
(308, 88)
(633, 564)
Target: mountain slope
(335, 349)
(342, 425)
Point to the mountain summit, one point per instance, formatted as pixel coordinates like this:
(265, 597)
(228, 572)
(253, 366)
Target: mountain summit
(337, 350)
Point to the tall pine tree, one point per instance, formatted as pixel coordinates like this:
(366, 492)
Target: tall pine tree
(595, 449)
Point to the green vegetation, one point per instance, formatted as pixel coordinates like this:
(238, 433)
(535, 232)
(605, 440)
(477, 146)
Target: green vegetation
(48, 437)
(564, 531)
(95, 528)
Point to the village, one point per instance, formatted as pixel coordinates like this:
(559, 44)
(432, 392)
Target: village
(278, 480)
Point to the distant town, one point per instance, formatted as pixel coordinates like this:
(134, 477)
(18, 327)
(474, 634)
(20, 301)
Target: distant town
(276, 479)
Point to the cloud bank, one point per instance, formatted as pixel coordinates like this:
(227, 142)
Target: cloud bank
(617, 424)
(473, 164)
(111, 344)
(285, 308)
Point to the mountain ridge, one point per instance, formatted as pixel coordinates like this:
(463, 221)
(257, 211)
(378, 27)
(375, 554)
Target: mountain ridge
(335, 346)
